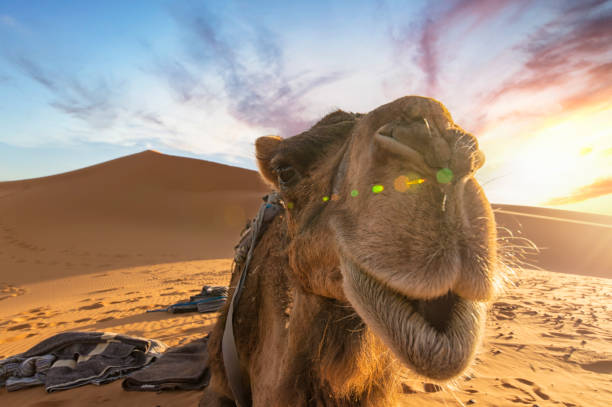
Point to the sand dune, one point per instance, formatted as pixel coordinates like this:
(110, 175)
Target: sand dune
(147, 208)
(94, 249)
(570, 242)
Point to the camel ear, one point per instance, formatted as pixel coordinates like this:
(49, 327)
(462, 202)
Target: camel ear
(265, 149)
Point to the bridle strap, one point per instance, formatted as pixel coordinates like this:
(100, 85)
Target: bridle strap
(233, 371)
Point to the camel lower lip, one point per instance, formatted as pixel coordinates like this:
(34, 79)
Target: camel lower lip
(437, 352)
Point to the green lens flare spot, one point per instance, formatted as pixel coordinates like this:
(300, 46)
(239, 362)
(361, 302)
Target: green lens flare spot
(377, 189)
(289, 205)
(325, 198)
(444, 176)
(354, 193)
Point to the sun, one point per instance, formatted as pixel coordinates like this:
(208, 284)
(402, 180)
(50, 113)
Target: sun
(554, 160)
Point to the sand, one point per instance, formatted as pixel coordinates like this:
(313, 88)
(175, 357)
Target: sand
(95, 248)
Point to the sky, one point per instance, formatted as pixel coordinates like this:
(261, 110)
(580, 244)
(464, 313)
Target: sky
(84, 82)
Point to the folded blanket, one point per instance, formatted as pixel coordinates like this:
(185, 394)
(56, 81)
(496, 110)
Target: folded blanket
(72, 359)
(210, 299)
(179, 368)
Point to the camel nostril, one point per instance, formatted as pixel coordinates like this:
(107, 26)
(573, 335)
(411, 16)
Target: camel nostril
(386, 131)
(420, 137)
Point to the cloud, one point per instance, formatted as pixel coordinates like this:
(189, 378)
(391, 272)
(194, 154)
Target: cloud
(181, 80)
(551, 62)
(249, 62)
(599, 188)
(574, 45)
(431, 51)
(92, 103)
(597, 91)
(8, 21)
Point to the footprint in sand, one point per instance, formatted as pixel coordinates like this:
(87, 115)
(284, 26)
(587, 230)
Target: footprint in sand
(406, 389)
(600, 366)
(529, 392)
(95, 305)
(10, 290)
(431, 388)
(172, 293)
(78, 321)
(142, 307)
(19, 327)
(127, 301)
(105, 319)
(558, 335)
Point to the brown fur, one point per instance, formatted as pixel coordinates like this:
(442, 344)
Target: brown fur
(341, 291)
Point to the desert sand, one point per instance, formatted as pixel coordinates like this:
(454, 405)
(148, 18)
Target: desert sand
(94, 249)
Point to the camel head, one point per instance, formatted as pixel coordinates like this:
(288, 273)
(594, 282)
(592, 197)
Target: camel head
(383, 213)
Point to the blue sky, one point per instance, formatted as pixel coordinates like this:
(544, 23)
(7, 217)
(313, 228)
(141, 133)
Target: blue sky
(83, 82)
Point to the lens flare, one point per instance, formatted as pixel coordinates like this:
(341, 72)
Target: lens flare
(325, 198)
(377, 189)
(416, 181)
(444, 176)
(404, 182)
(289, 205)
(401, 183)
(354, 193)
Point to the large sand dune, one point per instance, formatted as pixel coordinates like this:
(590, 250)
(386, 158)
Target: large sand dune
(95, 248)
(147, 208)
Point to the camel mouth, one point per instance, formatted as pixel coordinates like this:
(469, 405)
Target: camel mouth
(436, 338)
(437, 311)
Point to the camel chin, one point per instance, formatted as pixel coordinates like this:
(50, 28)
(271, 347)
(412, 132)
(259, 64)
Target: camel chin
(436, 338)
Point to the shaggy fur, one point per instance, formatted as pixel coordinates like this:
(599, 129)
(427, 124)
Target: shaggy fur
(343, 292)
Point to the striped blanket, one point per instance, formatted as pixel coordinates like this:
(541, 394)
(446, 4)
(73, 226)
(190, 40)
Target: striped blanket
(72, 359)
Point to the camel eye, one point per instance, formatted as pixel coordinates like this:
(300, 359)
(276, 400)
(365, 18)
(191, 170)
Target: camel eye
(287, 176)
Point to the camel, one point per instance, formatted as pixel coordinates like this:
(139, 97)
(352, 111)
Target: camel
(384, 258)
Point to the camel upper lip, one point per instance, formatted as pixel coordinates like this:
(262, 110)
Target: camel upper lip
(435, 337)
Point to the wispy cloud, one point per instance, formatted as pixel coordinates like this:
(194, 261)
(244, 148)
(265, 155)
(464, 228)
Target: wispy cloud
(8, 21)
(431, 53)
(573, 46)
(184, 82)
(93, 102)
(598, 88)
(102, 105)
(250, 63)
(598, 188)
(564, 50)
